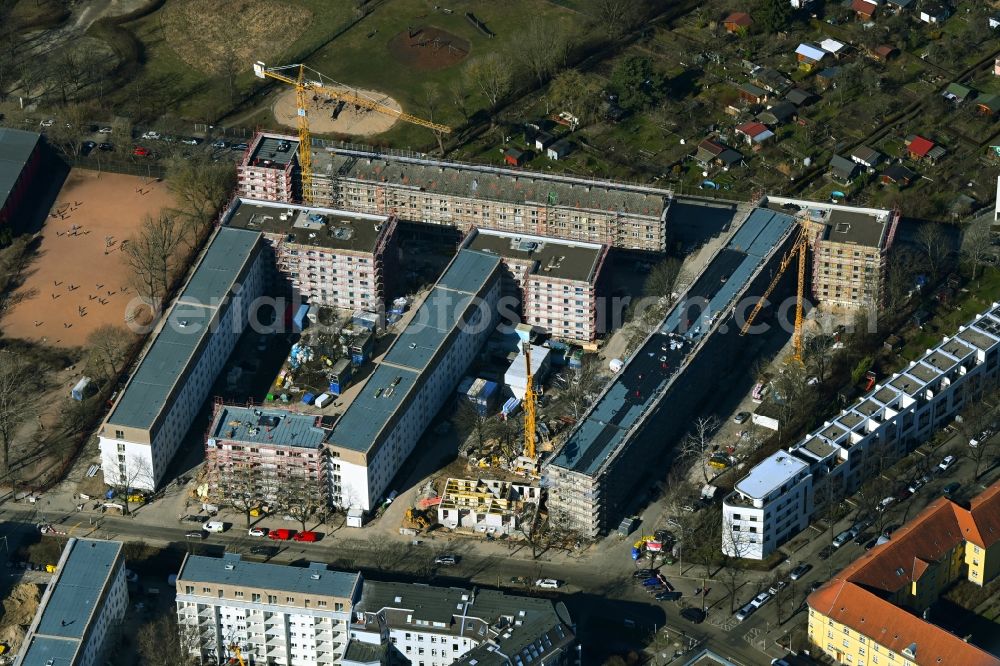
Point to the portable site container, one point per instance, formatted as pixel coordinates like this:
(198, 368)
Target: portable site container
(340, 376)
(361, 349)
(80, 390)
(481, 394)
(323, 399)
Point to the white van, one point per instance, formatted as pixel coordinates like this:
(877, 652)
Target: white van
(214, 526)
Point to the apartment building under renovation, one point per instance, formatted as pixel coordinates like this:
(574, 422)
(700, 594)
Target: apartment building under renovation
(421, 189)
(850, 250)
(486, 506)
(269, 169)
(271, 454)
(557, 283)
(331, 257)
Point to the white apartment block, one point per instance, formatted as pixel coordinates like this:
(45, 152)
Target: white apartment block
(331, 257)
(485, 506)
(556, 282)
(149, 419)
(81, 609)
(282, 615)
(884, 424)
(292, 616)
(421, 369)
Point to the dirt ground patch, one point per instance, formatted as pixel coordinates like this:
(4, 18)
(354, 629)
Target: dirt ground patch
(428, 48)
(78, 279)
(213, 35)
(328, 116)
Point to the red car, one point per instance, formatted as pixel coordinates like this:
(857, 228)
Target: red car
(306, 536)
(139, 151)
(281, 534)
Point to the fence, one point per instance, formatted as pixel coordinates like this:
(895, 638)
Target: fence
(96, 162)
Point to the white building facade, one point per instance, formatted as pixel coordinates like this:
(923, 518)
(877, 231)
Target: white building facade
(882, 426)
(153, 413)
(81, 608)
(421, 369)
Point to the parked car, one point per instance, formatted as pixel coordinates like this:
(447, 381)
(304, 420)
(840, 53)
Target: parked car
(800, 571)
(215, 526)
(191, 141)
(652, 582)
(981, 437)
(307, 536)
(915, 485)
(196, 535)
(269, 551)
(221, 143)
(815, 585)
(946, 462)
(741, 418)
(257, 531)
(826, 552)
(141, 151)
(106, 147)
(844, 537)
(951, 488)
(151, 135)
(280, 534)
(86, 147)
(643, 573)
(778, 586)
(47, 122)
(745, 612)
(871, 543)
(548, 583)
(761, 599)
(885, 502)
(446, 560)
(240, 146)
(105, 130)
(668, 595)
(695, 615)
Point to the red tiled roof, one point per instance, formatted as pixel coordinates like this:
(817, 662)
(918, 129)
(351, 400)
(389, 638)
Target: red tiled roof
(865, 7)
(920, 146)
(891, 626)
(981, 523)
(752, 129)
(713, 147)
(741, 19)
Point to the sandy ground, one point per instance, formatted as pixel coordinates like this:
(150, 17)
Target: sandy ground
(79, 280)
(357, 123)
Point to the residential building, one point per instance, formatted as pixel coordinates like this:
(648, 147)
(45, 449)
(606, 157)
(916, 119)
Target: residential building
(898, 175)
(864, 9)
(305, 616)
(331, 257)
(381, 427)
(756, 134)
(20, 157)
(269, 169)
(485, 506)
(866, 156)
(188, 349)
(557, 283)
(842, 169)
(421, 189)
(81, 608)
(753, 94)
(437, 626)
(269, 454)
(884, 424)
(591, 476)
(275, 614)
(809, 56)
(850, 249)
(934, 12)
(875, 611)
(737, 22)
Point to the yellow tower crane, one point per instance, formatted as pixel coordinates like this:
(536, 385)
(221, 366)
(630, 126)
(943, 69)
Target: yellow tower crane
(799, 248)
(237, 657)
(529, 406)
(306, 80)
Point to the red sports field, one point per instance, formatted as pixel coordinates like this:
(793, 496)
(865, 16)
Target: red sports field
(79, 280)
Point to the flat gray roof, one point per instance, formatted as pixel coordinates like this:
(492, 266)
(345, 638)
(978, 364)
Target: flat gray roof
(435, 323)
(16, 147)
(48, 651)
(231, 569)
(267, 149)
(78, 588)
(550, 257)
(634, 390)
(320, 227)
(855, 227)
(259, 425)
(492, 183)
(173, 351)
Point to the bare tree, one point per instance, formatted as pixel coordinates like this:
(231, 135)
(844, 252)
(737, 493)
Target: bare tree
(202, 187)
(699, 440)
(615, 17)
(976, 246)
(380, 551)
(431, 101)
(108, 349)
(458, 91)
(531, 528)
(238, 485)
(160, 641)
(17, 377)
(782, 598)
(931, 239)
(575, 93)
(470, 423)
(735, 545)
(150, 255)
(581, 386)
(303, 499)
(663, 278)
(541, 48)
(492, 75)
(132, 474)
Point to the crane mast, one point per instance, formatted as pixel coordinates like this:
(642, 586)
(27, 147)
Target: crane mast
(303, 87)
(529, 406)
